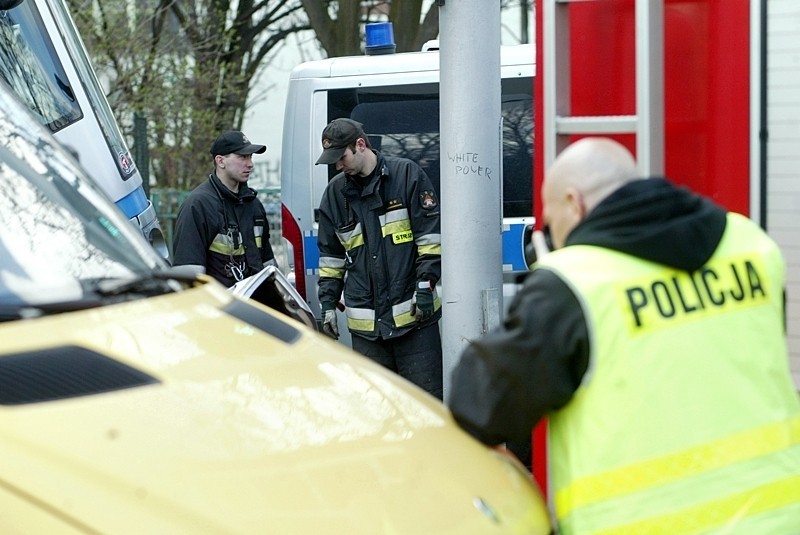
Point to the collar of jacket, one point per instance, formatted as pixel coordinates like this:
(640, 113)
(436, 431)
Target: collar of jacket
(246, 193)
(353, 189)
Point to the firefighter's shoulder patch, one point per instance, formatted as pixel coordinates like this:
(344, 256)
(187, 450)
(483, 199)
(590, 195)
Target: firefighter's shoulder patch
(427, 200)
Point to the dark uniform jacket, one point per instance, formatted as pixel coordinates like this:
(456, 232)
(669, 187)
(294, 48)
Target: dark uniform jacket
(507, 380)
(376, 241)
(216, 228)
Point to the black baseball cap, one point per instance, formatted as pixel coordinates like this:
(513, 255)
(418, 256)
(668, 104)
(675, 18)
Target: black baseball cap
(337, 136)
(233, 142)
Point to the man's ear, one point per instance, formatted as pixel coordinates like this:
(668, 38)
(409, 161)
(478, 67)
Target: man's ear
(576, 203)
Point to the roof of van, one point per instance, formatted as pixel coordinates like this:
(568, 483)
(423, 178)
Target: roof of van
(397, 63)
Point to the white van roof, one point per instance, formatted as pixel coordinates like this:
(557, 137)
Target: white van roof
(398, 63)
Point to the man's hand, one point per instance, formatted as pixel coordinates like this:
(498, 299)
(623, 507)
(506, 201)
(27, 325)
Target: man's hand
(540, 244)
(422, 303)
(330, 325)
(537, 248)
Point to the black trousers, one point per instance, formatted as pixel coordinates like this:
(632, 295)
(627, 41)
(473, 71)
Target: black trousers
(416, 356)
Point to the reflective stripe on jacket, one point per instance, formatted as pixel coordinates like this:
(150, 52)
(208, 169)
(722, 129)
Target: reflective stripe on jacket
(376, 242)
(216, 226)
(712, 442)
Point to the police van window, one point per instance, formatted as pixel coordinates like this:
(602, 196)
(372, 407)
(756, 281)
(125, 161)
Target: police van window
(517, 111)
(412, 130)
(30, 66)
(404, 121)
(105, 117)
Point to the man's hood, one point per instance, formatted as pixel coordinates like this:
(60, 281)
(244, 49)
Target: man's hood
(657, 221)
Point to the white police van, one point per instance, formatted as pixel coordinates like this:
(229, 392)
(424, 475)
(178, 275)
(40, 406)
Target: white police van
(396, 97)
(43, 60)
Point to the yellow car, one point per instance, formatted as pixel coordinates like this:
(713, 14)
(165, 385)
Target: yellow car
(136, 399)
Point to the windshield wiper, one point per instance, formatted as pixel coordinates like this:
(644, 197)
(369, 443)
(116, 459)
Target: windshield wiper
(152, 283)
(99, 292)
(34, 310)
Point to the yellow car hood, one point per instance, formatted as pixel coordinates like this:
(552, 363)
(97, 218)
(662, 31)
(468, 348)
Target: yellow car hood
(239, 431)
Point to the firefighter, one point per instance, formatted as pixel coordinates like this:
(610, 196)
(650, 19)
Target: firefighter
(379, 245)
(222, 227)
(654, 339)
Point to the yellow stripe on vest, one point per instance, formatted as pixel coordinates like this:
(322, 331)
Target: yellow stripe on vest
(719, 453)
(717, 513)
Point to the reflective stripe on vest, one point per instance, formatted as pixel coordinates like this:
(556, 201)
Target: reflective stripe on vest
(330, 266)
(396, 224)
(401, 312)
(429, 244)
(352, 238)
(224, 244)
(680, 425)
(363, 319)
(258, 231)
(360, 319)
(759, 445)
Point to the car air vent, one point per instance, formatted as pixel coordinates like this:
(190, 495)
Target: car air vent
(63, 373)
(258, 319)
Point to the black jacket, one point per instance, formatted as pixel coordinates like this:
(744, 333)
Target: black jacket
(383, 270)
(202, 228)
(507, 380)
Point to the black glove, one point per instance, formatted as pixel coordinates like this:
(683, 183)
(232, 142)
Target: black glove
(422, 303)
(330, 325)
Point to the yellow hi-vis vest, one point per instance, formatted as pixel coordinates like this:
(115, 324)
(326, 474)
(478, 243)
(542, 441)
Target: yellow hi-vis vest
(687, 420)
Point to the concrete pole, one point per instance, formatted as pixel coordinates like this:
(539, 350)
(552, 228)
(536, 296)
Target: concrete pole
(471, 174)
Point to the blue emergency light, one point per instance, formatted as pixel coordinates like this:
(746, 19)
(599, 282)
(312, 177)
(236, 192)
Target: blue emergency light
(380, 38)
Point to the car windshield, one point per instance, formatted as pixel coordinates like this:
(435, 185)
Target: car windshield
(58, 233)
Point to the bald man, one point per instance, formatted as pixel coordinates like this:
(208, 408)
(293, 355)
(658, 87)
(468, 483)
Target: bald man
(653, 339)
